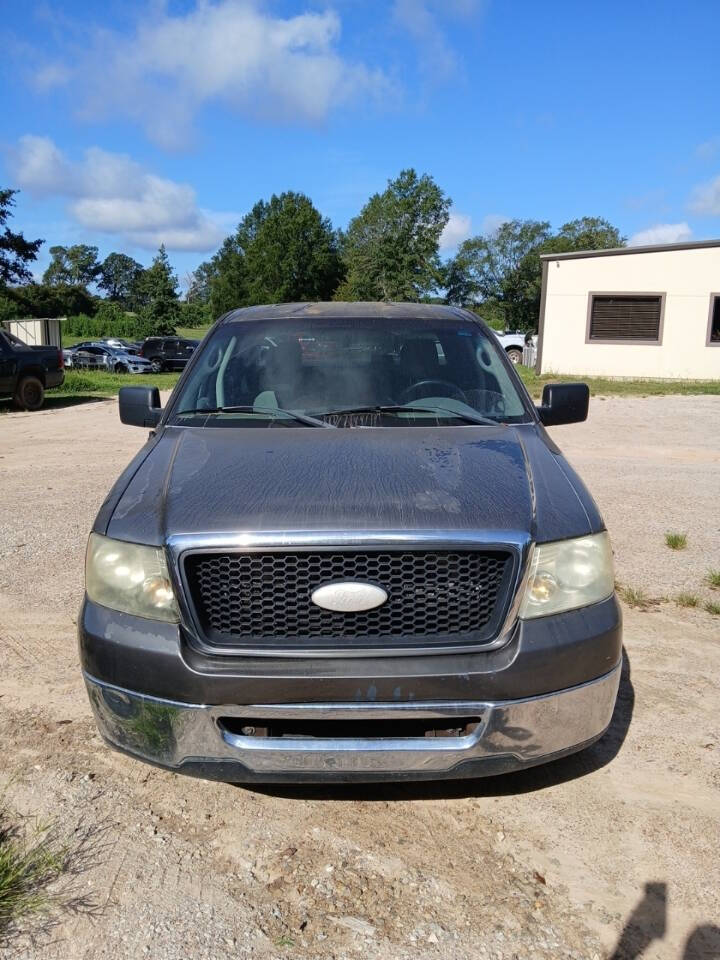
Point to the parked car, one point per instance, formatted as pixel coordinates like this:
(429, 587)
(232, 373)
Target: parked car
(513, 343)
(168, 353)
(375, 567)
(27, 372)
(126, 345)
(98, 355)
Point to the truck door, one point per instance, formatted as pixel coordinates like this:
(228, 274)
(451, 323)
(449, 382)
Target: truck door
(8, 367)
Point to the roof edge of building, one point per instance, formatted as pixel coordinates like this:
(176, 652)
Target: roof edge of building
(624, 251)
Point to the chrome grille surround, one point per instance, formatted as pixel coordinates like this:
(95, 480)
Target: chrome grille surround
(516, 546)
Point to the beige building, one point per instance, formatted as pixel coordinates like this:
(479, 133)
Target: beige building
(649, 312)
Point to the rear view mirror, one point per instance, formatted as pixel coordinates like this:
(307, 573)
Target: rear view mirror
(140, 406)
(564, 403)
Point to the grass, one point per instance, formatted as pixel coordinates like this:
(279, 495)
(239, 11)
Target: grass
(687, 600)
(37, 871)
(634, 597)
(712, 607)
(94, 383)
(192, 333)
(676, 541)
(713, 578)
(606, 386)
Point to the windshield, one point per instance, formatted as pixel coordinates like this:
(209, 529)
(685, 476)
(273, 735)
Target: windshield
(352, 372)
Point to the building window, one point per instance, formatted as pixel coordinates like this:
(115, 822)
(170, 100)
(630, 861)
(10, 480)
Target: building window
(714, 322)
(620, 318)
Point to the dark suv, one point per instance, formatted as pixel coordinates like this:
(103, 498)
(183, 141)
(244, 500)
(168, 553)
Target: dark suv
(349, 550)
(168, 353)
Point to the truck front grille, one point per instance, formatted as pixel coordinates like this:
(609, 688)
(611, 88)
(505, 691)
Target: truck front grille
(435, 597)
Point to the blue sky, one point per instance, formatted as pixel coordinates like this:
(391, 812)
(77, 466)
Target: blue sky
(126, 123)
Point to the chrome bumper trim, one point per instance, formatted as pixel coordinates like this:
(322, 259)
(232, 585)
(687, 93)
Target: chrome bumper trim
(172, 734)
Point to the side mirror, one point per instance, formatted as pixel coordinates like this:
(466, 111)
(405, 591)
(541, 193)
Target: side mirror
(564, 403)
(140, 406)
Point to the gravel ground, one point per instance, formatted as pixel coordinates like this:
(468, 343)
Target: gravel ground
(616, 847)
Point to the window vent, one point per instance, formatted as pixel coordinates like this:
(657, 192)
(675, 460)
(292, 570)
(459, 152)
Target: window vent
(631, 318)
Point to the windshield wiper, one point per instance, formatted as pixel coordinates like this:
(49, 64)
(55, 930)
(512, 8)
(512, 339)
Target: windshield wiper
(402, 408)
(263, 411)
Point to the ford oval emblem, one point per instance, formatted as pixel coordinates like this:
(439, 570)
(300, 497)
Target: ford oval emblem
(348, 596)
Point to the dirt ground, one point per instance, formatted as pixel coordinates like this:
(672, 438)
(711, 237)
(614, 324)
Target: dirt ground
(613, 852)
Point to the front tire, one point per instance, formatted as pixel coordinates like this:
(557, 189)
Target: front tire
(29, 394)
(515, 355)
(120, 368)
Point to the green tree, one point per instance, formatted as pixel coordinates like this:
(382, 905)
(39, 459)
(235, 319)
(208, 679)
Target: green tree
(586, 233)
(117, 277)
(157, 289)
(500, 275)
(41, 300)
(15, 251)
(284, 250)
(75, 266)
(391, 249)
(502, 271)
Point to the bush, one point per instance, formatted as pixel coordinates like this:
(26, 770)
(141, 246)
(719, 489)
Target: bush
(112, 321)
(195, 314)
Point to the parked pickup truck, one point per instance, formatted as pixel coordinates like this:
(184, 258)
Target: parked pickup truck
(513, 343)
(361, 561)
(27, 372)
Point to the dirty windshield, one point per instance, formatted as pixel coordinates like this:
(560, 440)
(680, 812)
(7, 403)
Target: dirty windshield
(359, 372)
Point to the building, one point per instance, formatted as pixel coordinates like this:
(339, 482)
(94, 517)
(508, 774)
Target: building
(651, 312)
(44, 332)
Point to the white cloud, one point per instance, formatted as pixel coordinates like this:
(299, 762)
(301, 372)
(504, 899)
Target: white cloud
(705, 198)
(421, 19)
(111, 193)
(661, 233)
(491, 223)
(263, 65)
(709, 149)
(456, 230)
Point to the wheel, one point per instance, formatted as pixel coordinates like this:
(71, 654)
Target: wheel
(515, 355)
(120, 368)
(156, 365)
(30, 393)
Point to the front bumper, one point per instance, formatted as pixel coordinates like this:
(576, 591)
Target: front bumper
(509, 735)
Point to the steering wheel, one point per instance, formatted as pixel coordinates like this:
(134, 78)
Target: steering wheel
(414, 391)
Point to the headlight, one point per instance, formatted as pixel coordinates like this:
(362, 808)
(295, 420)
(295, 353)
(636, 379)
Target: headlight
(129, 577)
(568, 574)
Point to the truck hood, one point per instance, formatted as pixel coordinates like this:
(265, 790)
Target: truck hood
(194, 480)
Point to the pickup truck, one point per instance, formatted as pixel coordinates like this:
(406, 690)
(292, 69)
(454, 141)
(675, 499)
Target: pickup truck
(366, 560)
(512, 342)
(27, 372)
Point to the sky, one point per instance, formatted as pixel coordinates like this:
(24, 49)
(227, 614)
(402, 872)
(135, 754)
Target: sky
(127, 124)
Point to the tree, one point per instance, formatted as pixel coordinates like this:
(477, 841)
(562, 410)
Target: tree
(500, 276)
(75, 266)
(586, 233)
(41, 300)
(284, 250)
(502, 271)
(157, 289)
(391, 249)
(117, 277)
(15, 251)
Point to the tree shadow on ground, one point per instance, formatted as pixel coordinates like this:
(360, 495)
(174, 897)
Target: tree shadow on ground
(523, 781)
(54, 403)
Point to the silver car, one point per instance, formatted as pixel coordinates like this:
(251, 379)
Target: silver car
(101, 356)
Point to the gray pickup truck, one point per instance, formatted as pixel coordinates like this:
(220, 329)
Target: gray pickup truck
(349, 550)
(27, 372)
